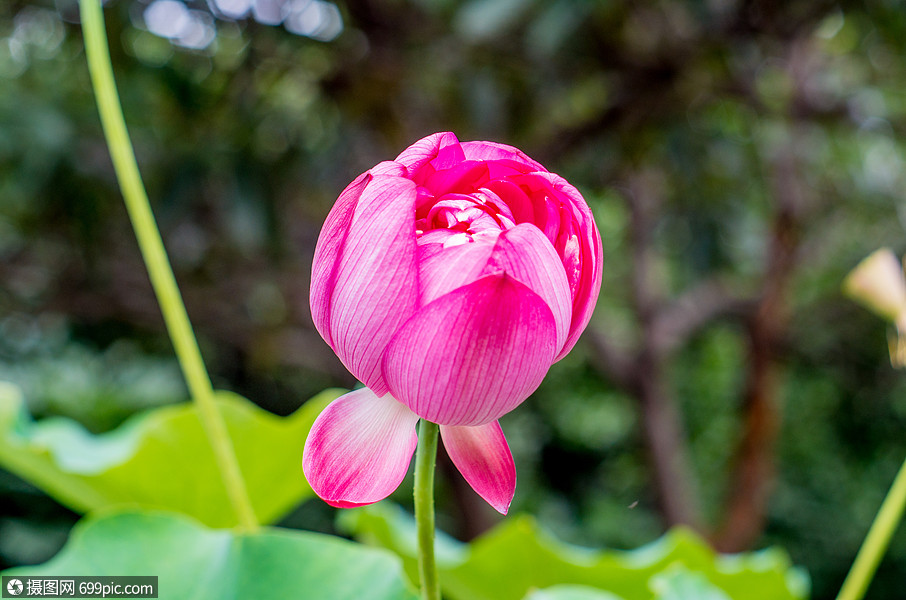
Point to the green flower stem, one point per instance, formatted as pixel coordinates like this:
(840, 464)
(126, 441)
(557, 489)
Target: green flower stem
(425, 458)
(877, 540)
(152, 248)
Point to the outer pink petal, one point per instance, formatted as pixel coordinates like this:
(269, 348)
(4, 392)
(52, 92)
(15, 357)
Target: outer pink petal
(425, 150)
(442, 270)
(523, 252)
(388, 167)
(495, 151)
(590, 251)
(376, 280)
(359, 448)
(328, 251)
(577, 240)
(526, 254)
(474, 354)
(483, 457)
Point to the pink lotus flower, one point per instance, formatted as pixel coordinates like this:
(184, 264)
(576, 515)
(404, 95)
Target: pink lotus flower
(448, 281)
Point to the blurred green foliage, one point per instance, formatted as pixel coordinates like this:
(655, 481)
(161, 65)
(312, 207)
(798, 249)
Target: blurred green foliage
(721, 109)
(677, 566)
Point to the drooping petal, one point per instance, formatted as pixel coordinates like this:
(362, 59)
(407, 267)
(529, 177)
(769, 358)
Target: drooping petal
(474, 354)
(483, 457)
(359, 448)
(328, 252)
(376, 281)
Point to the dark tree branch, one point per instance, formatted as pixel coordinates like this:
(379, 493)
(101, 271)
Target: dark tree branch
(754, 472)
(694, 309)
(675, 479)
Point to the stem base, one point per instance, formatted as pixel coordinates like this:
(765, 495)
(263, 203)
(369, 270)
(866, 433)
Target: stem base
(425, 459)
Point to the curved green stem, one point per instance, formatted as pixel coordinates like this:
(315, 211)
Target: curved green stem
(155, 256)
(425, 457)
(877, 540)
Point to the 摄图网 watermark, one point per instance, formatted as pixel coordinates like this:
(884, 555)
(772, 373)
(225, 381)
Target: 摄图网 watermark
(51, 586)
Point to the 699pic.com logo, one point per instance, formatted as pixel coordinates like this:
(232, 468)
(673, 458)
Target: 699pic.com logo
(56, 586)
(15, 587)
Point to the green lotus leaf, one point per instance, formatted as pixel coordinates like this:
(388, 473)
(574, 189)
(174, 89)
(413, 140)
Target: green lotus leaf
(679, 583)
(571, 592)
(194, 562)
(161, 458)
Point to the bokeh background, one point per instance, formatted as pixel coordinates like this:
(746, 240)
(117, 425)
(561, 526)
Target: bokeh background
(741, 156)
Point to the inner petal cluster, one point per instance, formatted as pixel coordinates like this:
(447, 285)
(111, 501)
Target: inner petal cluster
(458, 218)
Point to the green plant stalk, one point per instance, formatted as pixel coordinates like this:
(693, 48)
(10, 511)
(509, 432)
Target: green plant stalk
(155, 256)
(877, 540)
(425, 459)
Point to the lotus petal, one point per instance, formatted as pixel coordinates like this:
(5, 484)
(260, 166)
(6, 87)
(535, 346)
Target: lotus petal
(474, 354)
(359, 448)
(327, 253)
(376, 281)
(483, 457)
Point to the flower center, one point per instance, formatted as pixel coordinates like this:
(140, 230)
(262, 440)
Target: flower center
(455, 219)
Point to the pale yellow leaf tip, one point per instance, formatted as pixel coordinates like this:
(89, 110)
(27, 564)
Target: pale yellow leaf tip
(878, 283)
